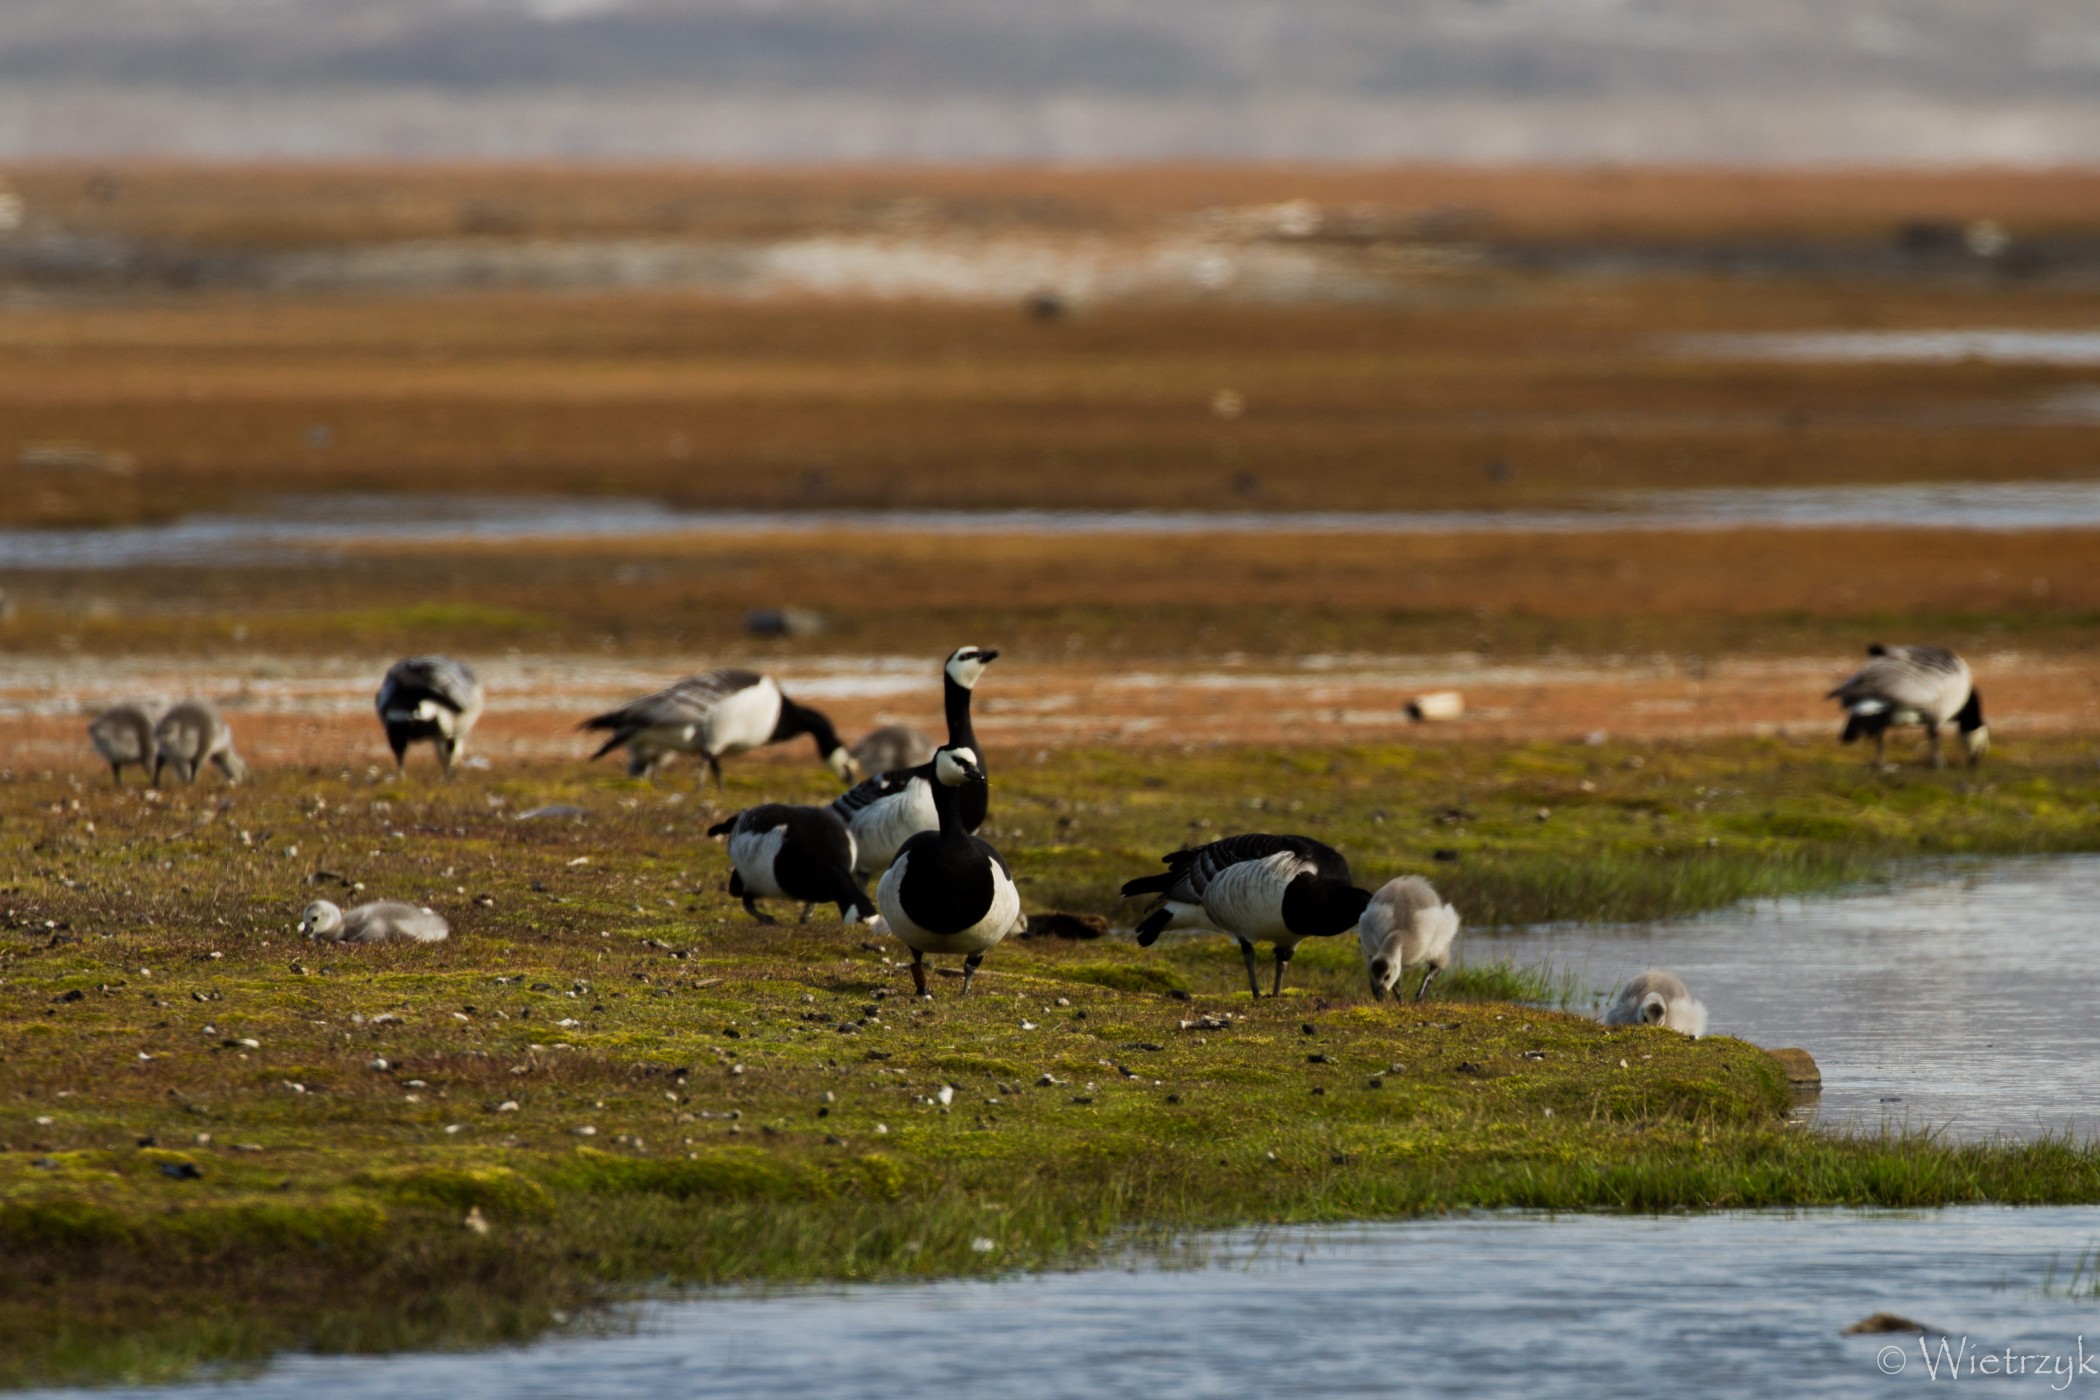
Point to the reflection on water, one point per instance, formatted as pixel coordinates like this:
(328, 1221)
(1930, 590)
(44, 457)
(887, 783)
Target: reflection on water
(299, 527)
(1591, 1306)
(1963, 1003)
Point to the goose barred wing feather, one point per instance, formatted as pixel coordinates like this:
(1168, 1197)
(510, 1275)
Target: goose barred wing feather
(412, 681)
(1189, 873)
(691, 701)
(864, 795)
(1918, 678)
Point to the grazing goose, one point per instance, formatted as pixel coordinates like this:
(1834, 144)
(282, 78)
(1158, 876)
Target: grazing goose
(189, 735)
(1279, 889)
(949, 891)
(431, 699)
(1658, 999)
(373, 923)
(123, 734)
(1405, 925)
(718, 713)
(805, 853)
(891, 747)
(889, 809)
(1926, 686)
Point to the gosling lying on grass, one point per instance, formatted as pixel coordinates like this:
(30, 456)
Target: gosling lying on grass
(373, 923)
(1405, 925)
(1658, 999)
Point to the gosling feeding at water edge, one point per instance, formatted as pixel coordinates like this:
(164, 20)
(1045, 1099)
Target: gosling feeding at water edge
(1405, 925)
(1657, 998)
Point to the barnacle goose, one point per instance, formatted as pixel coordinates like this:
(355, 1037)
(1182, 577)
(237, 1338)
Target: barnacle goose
(123, 735)
(1405, 925)
(715, 714)
(190, 735)
(431, 699)
(782, 852)
(1926, 686)
(949, 891)
(1658, 999)
(373, 923)
(891, 747)
(1258, 888)
(889, 809)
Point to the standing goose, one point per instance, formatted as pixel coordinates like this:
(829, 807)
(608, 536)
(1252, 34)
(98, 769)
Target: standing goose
(1926, 686)
(190, 735)
(782, 852)
(715, 714)
(1405, 925)
(949, 891)
(1658, 999)
(374, 923)
(889, 809)
(431, 699)
(1279, 889)
(123, 734)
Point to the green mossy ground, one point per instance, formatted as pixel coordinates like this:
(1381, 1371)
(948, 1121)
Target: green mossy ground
(217, 1140)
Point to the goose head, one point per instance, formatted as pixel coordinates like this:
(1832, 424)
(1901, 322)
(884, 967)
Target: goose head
(966, 664)
(956, 766)
(321, 919)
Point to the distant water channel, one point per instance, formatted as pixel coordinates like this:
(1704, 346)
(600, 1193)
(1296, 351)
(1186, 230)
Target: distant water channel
(299, 527)
(1581, 1306)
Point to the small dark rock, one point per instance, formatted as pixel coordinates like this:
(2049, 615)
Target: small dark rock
(1885, 1322)
(181, 1171)
(1319, 1059)
(75, 995)
(1468, 1067)
(1445, 854)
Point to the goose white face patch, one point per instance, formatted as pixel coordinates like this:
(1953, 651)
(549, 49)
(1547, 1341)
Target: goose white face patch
(966, 666)
(948, 765)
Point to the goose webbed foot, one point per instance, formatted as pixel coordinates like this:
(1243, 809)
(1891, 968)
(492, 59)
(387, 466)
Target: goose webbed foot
(757, 913)
(1253, 980)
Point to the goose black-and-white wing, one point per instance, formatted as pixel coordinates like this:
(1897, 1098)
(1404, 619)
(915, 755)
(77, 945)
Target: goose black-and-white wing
(692, 704)
(886, 811)
(1931, 683)
(1190, 873)
(417, 687)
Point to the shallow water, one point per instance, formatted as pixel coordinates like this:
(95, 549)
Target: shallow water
(1904, 347)
(1963, 1002)
(1592, 1306)
(301, 527)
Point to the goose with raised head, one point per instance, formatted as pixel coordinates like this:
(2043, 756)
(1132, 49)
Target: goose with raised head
(1925, 686)
(1260, 889)
(1657, 998)
(714, 715)
(948, 891)
(803, 853)
(379, 922)
(123, 735)
(1405, 925)
(191, 735)
(428, 699)
(889, 809)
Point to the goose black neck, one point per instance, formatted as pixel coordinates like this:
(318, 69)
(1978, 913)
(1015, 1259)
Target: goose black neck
(1969, 718)
(956, 698)
(947, 808)
(797, 720)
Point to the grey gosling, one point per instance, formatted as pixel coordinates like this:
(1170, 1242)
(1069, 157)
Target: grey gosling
(123, 735)
(373, 923)
(189, 736)
(1405, 925)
